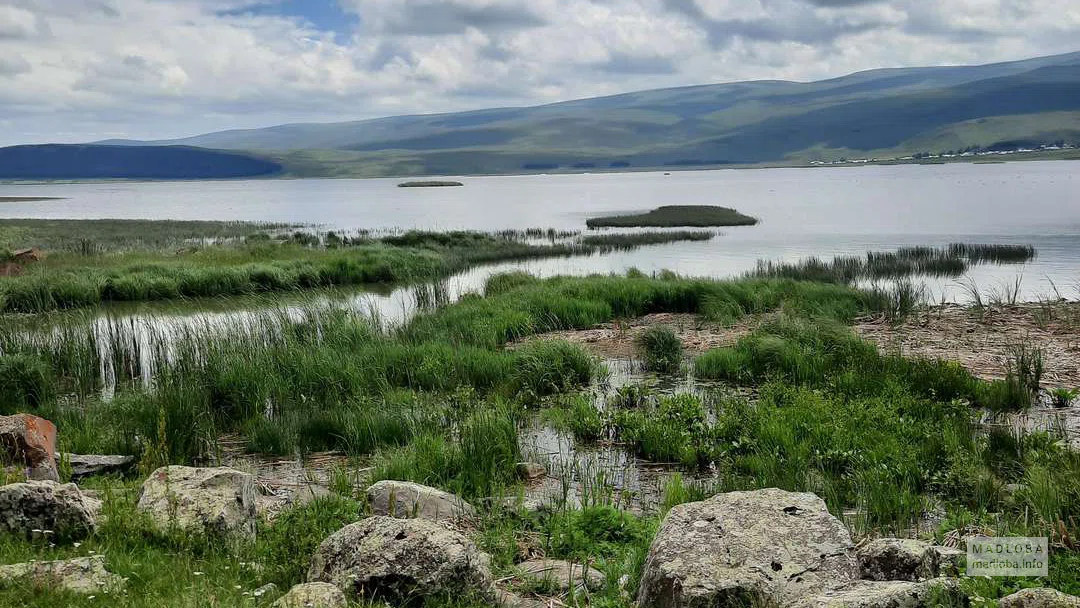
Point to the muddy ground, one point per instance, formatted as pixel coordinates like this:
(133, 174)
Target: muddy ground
(616, 340)
(981, 341)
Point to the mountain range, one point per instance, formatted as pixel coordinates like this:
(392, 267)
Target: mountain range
(882, 113)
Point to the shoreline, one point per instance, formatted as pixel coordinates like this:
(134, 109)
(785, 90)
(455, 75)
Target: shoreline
(1063, 155)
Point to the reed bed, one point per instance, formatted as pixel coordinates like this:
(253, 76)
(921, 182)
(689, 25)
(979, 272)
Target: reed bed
(303, 261)
(952, 261)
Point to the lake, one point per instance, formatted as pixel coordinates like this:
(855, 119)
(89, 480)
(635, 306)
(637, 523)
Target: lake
(803, 212)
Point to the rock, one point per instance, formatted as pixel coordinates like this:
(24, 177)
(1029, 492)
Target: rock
(892, 559)
(46, 507)
(30, 442)
(904, 559)
(270, 503)
(86, 466)
(544, 495)
(395, 559)
(405, 499)
(312, 595)
(886, 594)
(267, 589)
(1039, 598)
(762, 548)
(217, 500)
(80, 575)
(506, 599)
(530, 471)
(562, 574)
(942, 561)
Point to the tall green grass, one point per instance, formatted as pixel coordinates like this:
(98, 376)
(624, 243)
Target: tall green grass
(821, 353)
(660, 348)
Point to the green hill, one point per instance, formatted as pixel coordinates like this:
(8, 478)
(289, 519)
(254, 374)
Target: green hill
(880, 112)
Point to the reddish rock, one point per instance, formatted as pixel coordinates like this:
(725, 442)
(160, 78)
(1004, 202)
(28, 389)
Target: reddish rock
(24, 256)
(29, 441)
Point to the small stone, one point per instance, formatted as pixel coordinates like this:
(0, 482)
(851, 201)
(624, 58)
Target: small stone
(904, 559)
(506, 599)
(312, 595)
(405, 500)
(267, 589)
(270, 503)
(29, 441)
(530, 471)
(79, 575)
(562, 574)
(891, 559)
(1039, 598)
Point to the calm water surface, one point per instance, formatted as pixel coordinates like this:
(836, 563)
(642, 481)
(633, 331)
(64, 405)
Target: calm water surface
(804, 212)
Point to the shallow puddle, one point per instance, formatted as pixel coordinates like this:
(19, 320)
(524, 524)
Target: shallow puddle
(604, 472)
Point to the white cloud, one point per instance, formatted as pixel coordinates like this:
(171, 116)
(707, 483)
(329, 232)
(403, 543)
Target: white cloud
(77, 70)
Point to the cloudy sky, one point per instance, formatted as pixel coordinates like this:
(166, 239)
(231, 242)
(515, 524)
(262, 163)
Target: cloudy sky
(79, 70)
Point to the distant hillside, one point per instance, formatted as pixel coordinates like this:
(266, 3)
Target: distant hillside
(56, 161)
(880, 113)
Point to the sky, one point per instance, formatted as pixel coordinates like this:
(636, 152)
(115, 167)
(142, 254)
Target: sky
(86, 70)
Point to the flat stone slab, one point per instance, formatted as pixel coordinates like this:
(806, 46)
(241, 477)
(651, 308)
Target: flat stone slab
(562, 574)
(89, 465)
(80, 575)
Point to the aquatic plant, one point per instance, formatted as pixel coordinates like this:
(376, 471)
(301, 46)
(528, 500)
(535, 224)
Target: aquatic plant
(1063, 397)
(661, 349)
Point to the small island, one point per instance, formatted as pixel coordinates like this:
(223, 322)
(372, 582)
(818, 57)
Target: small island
(697, 216)
(429, 184)
(28, 199)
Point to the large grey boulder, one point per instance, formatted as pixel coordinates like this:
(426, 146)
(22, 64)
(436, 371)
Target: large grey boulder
(216, 500)
(562, 575)
(763, 548)
(80, 575)
(396, 559)
(405, 499)
(1039, 598)
(886, 594)
(47, 508)
(903, 559)
(312, 595)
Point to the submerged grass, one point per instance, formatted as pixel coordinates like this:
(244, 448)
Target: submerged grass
(952, 261)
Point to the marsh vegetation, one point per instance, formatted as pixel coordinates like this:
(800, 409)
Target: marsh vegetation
(894, 442)
(672, 216)
(429, 184)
